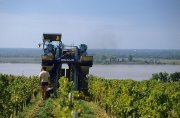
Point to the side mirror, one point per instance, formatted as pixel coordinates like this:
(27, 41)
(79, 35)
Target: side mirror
(39, 45)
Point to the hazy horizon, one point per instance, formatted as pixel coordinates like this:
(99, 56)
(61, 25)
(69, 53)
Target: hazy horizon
(101, 24)
(92, 48)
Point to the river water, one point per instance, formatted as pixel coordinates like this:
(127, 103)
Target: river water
(136, 72)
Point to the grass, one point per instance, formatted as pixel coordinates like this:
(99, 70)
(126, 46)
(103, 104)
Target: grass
(46, 110)
(83, 108)
(91, 110)
(31, 109)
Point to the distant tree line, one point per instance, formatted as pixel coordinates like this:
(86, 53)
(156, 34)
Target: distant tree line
(165, 77)
(101, 56)
(137, 53)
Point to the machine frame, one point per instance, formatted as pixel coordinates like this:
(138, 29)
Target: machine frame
(55, 54)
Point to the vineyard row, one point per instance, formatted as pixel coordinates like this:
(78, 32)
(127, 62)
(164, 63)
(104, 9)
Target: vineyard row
(129, 98)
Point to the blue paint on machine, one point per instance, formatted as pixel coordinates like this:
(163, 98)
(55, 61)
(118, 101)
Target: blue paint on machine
(55, 53)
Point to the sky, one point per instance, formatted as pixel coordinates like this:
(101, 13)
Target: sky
(101, 24)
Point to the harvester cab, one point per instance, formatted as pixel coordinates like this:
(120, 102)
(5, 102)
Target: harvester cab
(55, 54)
